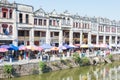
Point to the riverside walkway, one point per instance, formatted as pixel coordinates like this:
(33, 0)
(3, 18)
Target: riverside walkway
(27, 61)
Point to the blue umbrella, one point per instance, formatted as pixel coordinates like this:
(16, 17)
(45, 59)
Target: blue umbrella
(67, 46)
(13, 47)
(46, 46)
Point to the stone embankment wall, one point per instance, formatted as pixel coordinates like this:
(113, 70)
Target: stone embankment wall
(33, 68)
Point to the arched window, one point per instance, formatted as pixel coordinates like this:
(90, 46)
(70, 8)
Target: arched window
(10, 13)
(64, 21)
(5, 31)
(68, 21)
(10, 30)
(4, 12)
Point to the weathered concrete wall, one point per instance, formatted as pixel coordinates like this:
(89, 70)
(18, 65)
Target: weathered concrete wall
(33, 68)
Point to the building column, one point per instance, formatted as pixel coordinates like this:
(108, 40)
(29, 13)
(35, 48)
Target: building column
(97, 39)
(15, 30)
(81, 36)
(89, 38)
(104, 39)
(110, 40)
(71, 37)
(116, 39)
(48, 36)
(31, 36)
(60, 37)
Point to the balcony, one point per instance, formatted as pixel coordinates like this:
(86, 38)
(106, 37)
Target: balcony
(23, 25)
(54, 27)
(36, 38)
(23, 38)
(40, 27)
(65, 25)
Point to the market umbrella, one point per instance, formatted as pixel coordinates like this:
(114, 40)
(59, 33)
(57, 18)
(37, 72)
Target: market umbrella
(30, 47)
(103, 45)
(90, 45)
(22, 47)
(54, 48)
(38, 48)
(67, 46)
(3, 50)
(72, 46)
(46, 46)
(13, 47)
(84, 46)
(78, 45)
(62, 47)
(5, 46)
(97, 46)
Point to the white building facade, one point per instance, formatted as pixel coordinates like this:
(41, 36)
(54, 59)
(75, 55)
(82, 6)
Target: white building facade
(20, 24)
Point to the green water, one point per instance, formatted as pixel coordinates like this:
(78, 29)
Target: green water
(99, 72)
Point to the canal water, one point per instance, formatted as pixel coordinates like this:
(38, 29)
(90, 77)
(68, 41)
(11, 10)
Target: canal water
(99, 72)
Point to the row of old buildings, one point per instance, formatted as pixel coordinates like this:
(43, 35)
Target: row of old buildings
(20, 24)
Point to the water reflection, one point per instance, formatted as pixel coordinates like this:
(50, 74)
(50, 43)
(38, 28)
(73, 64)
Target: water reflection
(101, 72)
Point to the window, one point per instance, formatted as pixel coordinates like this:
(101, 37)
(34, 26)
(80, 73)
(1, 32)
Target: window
(40, 22)
(4, 15)
(54, 23)
(37, 34)
(23, 33)
(51, 34)
(68, 21)
(56, 33)
(27, 18)
(79, 25)
(10, 29)
(20, 18)
(35, 21)
(44, 22)
(5, 31)
(85, 25)
(43, 34)
(10, 13)
(113, 29)
(64, 21)
(76, 24)
(73, 24)
(20, 33)
(50, 22)
(4, 12)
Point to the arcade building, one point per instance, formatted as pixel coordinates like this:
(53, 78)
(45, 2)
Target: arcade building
(21, 24)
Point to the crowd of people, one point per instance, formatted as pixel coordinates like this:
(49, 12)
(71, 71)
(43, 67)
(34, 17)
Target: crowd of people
(51, 55)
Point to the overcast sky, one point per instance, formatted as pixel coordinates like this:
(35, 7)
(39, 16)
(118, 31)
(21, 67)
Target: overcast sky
(99, 8)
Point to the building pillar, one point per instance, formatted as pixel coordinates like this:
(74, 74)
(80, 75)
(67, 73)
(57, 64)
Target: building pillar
(110, 40)
(71, 37)
(15, 30)
(48, 36)
(89, 38)
(104, 39)
(60, 37)
(116, 39)
(81, 36)
(97, 39)
(31, 36)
